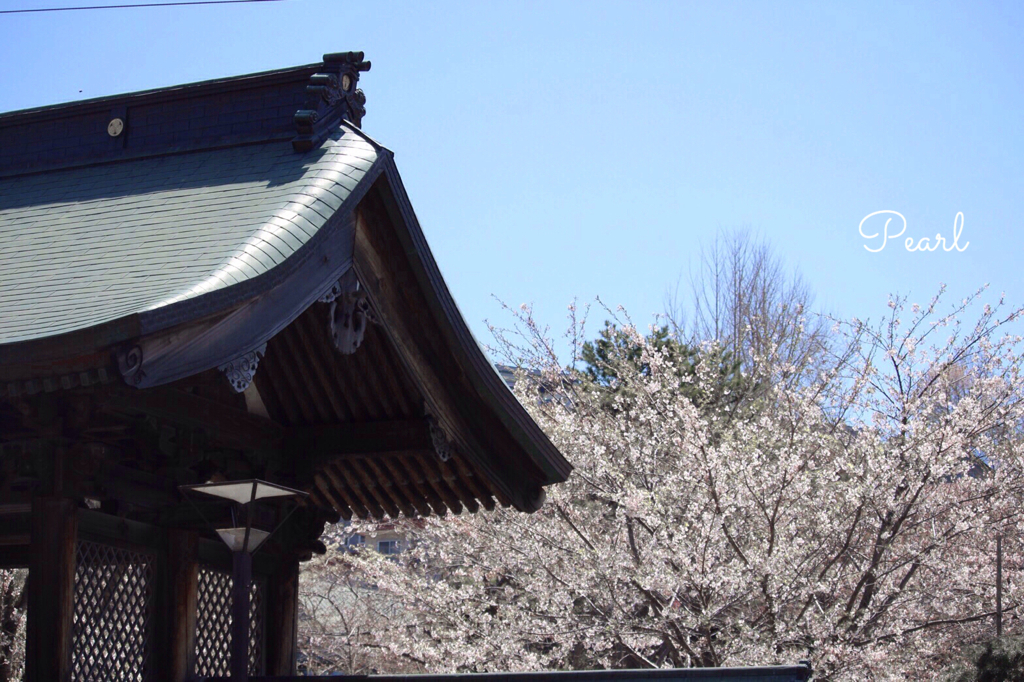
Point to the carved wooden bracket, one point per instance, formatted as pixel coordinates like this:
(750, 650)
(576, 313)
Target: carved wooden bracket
(241, 370)
(350, 312)
(330, 97)
(129, 363)
(442, 444)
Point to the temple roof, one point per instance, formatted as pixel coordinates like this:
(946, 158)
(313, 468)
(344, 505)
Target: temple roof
(236, 260)
(88, 245)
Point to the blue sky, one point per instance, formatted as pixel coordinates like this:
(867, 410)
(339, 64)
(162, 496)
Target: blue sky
(561, 150)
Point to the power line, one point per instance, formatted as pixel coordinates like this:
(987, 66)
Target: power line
(132, 6)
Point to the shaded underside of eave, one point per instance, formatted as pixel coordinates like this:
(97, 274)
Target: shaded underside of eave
(88, 246)
(304, 382)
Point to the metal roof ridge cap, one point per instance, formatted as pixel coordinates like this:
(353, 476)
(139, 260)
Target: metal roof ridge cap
(103, 102)
(377, 146)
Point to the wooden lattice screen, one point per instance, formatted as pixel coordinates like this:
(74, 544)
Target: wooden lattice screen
(213, 624)
(112, 613)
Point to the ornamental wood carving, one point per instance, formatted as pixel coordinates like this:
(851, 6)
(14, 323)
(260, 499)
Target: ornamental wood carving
(349, 314)
(442, 444)
(241, 370)
(129, 363)
(331, 96)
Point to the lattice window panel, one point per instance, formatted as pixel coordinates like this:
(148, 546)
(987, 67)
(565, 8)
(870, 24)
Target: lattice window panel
(213, 624)
(112, 613)
(257, 609)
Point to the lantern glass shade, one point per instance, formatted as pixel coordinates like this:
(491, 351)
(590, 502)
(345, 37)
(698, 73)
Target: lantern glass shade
(242, 491)
(234, 538)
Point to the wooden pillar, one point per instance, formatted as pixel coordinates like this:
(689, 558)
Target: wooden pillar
(241, 579)
(181, 603)
(282, 595)
(51, 590)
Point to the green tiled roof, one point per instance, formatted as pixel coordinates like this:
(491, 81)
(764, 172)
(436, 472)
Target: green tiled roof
(87, 245)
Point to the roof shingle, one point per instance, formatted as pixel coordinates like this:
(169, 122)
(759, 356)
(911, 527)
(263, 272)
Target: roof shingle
(87, 245)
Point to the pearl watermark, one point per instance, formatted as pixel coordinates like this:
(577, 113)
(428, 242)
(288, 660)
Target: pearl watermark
(923, 244)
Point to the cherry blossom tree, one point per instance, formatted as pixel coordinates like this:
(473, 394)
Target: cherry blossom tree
(849, 519)
(339, 615)
(12, 624)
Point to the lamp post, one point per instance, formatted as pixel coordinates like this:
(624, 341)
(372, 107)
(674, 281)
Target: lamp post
(243, 541)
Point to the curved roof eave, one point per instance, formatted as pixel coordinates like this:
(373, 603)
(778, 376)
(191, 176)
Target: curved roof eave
(477, 367)
(223, 253)
(211, 320)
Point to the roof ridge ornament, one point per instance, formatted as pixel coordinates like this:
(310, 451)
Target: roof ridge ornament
(331, 96)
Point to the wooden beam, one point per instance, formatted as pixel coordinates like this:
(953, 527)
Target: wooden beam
(15, 556)
(241, 579)
(472, 483)
(138, 487)
(182, 601)
(357, 478)
(458, 486)
(387, 486)
(422, 484)
(340, 478)
(282, 618)
(399, 474)
(15, 529)
(435, 476)
(335, 498)
(334, 441)
(51, 590)
(226, 425)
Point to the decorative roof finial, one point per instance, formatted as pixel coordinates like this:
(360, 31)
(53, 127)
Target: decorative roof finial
(331, 96)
